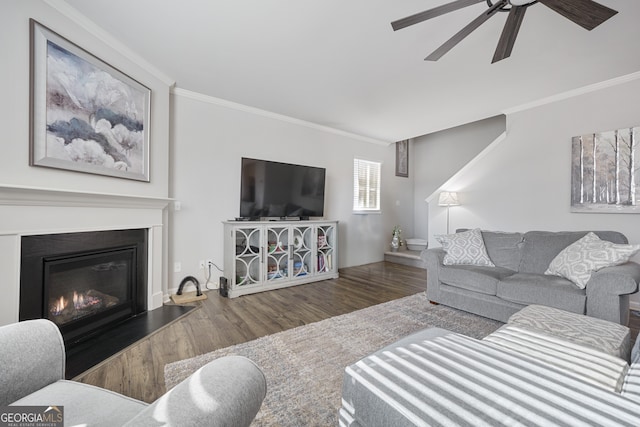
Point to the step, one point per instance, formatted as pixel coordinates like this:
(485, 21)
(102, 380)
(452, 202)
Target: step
(405, 257)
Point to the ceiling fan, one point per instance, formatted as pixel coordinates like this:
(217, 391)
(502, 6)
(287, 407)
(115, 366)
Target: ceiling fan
(586, 13)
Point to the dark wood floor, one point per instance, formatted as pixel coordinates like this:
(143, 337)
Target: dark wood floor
(92, 351)
(219, 322)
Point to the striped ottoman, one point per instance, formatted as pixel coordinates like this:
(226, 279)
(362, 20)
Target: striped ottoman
(454, 380)
(605, 336)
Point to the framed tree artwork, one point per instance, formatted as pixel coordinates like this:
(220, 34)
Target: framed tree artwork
(604, 172)
(86, 115)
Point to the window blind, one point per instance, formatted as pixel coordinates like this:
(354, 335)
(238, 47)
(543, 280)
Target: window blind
(366, 186)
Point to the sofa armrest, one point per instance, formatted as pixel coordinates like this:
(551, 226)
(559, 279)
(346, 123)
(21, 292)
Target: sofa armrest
(608, 292)
(617, 280)
(433, 260)
(433, 256)
(225, 392)
(31, 357)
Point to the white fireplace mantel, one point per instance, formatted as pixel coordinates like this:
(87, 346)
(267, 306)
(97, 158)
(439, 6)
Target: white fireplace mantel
(32, 210)
(36, 196)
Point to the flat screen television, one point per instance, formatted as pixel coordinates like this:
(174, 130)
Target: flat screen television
(281, 190)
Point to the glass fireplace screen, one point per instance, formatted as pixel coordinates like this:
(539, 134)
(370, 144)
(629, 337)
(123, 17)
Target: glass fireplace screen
(83, 286)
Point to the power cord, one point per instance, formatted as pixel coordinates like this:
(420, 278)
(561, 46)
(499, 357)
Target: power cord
(208, 275)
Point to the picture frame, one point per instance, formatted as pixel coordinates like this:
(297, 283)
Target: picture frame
(402, 158)
(86, 115)
(605, 172)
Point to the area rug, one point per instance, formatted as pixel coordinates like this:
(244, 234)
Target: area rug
(304, 366)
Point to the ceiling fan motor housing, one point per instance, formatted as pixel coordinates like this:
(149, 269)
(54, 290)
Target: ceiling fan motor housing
(521, 2)
(512, 3)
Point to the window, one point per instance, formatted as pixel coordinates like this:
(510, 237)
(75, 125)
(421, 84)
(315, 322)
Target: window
(366, 186)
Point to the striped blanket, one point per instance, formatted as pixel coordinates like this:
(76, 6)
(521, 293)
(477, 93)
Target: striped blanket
(455, 380)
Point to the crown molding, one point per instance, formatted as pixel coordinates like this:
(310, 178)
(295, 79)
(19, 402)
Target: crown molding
(573, 93)
(87, 24)
(257, 111)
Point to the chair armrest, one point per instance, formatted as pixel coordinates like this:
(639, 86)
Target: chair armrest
(31, 357)
(225, 392)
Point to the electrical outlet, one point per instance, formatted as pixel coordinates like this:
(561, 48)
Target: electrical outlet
(209, 263)
(177, 267)
(177, 205)
(201, 264)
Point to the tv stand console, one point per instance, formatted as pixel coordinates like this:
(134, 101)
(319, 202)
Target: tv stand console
(261, 256)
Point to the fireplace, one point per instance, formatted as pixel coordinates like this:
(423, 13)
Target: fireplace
(84, 282)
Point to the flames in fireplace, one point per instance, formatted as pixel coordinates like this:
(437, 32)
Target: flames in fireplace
(78, 305)
(85, 282)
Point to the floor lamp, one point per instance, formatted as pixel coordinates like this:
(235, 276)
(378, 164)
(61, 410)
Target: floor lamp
(448, 199)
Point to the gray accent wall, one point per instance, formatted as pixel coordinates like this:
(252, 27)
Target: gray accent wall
(440, 155)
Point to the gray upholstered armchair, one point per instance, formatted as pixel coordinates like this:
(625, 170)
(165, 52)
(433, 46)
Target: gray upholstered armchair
(226, 392)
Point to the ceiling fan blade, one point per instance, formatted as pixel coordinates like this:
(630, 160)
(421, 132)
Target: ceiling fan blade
(460, 35)
(509, 33)
(586, 13)
(431, 13)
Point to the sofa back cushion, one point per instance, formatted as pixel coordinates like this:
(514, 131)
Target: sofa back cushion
(504, 249)
(541, 247)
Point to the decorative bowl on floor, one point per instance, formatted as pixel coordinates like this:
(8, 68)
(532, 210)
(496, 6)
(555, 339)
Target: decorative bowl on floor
(416, 244)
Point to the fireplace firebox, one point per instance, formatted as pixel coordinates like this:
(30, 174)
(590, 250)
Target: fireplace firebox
(84, 282)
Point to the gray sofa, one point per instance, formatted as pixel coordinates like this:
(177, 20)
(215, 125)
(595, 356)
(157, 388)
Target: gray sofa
(226, 392)
(518, 278)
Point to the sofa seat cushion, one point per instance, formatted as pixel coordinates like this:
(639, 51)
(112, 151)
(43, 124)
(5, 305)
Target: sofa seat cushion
(553, 291)
(474, 278)
(85, 404)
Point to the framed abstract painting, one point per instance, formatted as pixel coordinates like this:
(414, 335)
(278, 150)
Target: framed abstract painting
(86, 115)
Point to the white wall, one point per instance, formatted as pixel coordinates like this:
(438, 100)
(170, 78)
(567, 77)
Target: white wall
(208, 140)
(14, 111)
(35, 200)
(524, 182)
(440, 155)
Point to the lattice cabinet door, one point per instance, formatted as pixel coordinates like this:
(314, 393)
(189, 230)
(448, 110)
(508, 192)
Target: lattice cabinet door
(277, 253)
(326, 248)
(301, 251)
(248, 256)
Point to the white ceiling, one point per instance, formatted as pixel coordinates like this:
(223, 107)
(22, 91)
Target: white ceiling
(338, 63)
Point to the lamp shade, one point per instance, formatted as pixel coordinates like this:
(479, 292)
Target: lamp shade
(448, 198)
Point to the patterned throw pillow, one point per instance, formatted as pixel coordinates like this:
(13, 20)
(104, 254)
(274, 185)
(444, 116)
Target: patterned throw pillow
(579, 260)
(464, 248)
